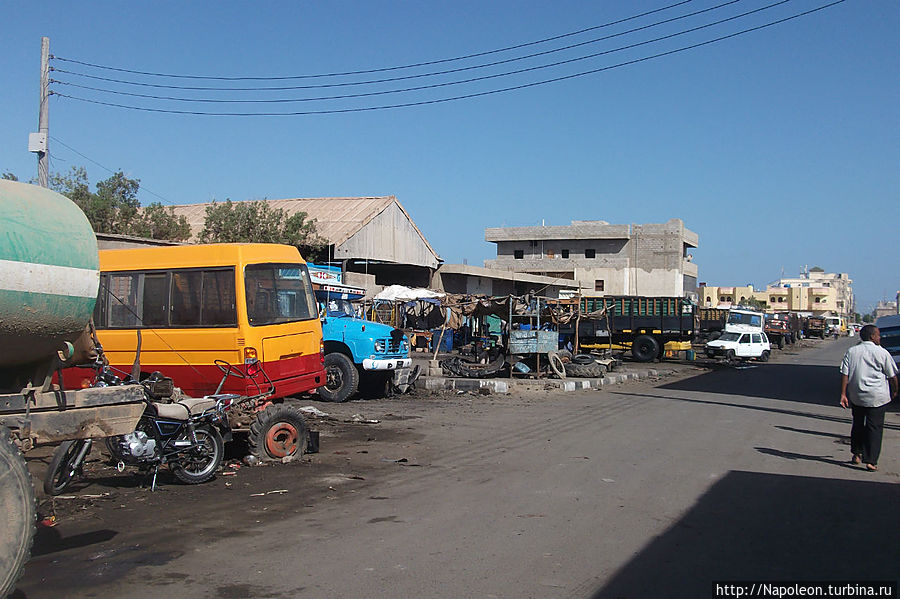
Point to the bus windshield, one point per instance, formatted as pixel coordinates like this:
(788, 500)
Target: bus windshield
(278, 293)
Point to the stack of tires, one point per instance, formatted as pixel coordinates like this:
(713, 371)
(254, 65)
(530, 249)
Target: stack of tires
(582, 365)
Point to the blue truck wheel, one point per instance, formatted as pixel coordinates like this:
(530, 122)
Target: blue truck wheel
(341, 378)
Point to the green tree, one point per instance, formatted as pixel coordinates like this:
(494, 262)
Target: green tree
(258, 222)
(868, 318)
(160, 222)
(115, 207)
(755, 304)
(9, 176)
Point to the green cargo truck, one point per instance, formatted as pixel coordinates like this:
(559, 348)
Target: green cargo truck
(648, 326)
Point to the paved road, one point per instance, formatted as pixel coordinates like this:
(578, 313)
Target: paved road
(643, 490)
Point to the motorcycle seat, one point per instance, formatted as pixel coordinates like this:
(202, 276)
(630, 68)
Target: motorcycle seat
(181, 410)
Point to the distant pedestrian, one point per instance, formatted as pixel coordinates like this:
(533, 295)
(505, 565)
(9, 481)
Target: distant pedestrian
(868, 384)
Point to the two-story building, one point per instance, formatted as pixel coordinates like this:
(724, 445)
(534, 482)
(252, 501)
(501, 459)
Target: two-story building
(600, 258)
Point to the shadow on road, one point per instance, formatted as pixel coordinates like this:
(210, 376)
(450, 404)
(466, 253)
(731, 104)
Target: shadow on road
(804, 383)
(755, 526)
(49, 540)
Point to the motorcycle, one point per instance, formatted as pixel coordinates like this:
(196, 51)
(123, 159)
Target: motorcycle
(188, 435)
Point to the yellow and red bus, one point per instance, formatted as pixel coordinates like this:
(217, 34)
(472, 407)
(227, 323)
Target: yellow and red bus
(194, 304)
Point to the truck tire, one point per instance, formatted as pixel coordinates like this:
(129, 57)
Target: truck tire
(729, 356)
(279, 431)
(645, 348)
(764, 357)
(586, 371)
(18, 513)
(583, 359)
(556, 364)
(341, 378)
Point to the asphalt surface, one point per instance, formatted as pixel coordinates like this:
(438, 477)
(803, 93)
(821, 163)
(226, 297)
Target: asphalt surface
(646, 489)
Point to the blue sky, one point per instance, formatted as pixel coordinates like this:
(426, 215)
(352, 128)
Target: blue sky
(779, 147)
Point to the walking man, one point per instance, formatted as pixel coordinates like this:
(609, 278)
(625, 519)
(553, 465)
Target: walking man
(868, 384)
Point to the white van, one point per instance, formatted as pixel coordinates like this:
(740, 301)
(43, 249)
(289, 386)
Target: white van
(734, 346)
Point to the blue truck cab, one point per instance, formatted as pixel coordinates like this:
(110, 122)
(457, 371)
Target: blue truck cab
(356, 350)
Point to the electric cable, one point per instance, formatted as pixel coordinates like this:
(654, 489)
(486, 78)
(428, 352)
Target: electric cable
(140, 186)
(383, 69)
(463, 96)
(375, 81)
(433, 85)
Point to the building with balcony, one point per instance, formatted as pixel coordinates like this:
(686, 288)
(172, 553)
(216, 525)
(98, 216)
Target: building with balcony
(726, 297)
(817, 292)
(600, 258)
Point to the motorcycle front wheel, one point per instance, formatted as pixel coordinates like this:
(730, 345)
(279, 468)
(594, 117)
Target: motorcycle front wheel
(199, 463)
(66, 464)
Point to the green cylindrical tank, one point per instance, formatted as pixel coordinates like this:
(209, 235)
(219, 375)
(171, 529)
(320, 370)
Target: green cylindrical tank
(49, 272)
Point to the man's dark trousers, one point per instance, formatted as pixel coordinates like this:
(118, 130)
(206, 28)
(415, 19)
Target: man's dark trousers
(866, 433)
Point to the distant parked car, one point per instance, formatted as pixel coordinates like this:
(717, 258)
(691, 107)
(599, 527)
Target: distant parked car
(740, 346)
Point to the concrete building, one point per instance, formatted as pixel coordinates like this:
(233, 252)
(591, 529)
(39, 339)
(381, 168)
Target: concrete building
(600, 258)
(477, 280)
(726, 297)
(884, 308)
(818, 292)
(372, 236)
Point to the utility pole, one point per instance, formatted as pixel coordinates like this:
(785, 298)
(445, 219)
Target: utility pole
(39, 142)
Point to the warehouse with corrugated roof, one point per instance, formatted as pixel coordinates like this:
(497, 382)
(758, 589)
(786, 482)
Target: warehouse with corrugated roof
(370, 235)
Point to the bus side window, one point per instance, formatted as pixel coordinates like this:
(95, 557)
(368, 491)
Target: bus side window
(218, 304)
(186, 298)
(156, 290)
(124, 311)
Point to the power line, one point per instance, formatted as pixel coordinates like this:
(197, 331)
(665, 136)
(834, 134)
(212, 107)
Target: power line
(464, 96)
(60, 142)
(372, 81)
(383, 69)
(433, 85)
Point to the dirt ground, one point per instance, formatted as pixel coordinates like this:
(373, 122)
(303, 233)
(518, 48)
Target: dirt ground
(108, 523)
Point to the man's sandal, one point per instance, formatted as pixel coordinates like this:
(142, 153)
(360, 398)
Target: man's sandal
(857, 459)
(871, 467)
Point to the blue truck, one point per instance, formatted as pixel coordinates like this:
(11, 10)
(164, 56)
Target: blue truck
(358, 353)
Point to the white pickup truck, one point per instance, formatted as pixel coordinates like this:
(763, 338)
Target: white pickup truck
(743, 339)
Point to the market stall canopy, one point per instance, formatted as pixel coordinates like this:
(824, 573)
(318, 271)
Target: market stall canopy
(399, 293)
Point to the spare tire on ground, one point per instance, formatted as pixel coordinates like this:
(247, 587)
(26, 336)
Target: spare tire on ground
(587, 371)
(278, 432)
(583, 359)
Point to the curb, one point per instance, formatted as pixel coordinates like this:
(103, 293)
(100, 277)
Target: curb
(504, 386)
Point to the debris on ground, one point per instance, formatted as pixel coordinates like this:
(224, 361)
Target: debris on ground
(314, 411)
(360, 419)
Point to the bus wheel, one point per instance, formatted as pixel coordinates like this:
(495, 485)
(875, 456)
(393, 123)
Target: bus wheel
(18, 513)
(645, 348)
(278, 432)
(341, 378)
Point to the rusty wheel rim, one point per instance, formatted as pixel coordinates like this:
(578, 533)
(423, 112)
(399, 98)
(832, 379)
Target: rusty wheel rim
(282, 440)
